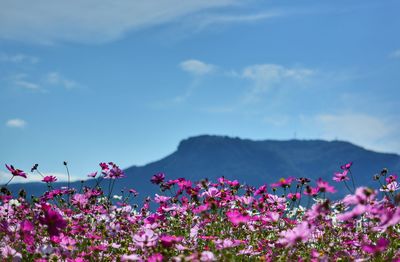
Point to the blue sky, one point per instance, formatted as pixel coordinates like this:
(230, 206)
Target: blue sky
(125, 81)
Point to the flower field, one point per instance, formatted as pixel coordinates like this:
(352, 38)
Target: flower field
(290, 220)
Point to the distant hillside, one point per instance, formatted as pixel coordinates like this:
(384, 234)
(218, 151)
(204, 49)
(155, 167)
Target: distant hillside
(252, 162)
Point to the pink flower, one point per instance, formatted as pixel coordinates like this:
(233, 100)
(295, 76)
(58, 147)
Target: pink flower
(362, 196)
(236, 217)
(391, 178)
(133, 257)
(294, 196)
(339, 177)
(16, 172)
(161, 199)
(380, 246)
(93, 174)
(80, 200)
(27, 232)
(300, 233)
(207, 256)
(54, 221)
(261, 190)
(169, 241)
(346, 166)
(147, 238)
(201, 208)
(155, 258)
(114, 172)
(103, 166)
(211, 192)
(283, 182)
(49, 179)
(311, 191)
(325, 187)
(391, 187)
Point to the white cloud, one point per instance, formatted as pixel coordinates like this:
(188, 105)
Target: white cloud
(16, 123)
(267, 76)
(197, 67)
(395, 54)
(20, 80)
(18, 58)
(91, 21)
(56, 79)
(211, 20)
(365, 130)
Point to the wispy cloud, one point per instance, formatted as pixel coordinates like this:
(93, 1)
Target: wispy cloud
(208, 20)
(268, 76)
(56, 79)
(18, 58)
(92, 21)
(366, 130)
(21, 80)
(197, 67)
(395, 54)
(16, 123)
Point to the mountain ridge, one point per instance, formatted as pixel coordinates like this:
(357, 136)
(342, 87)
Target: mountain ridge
(254, 162)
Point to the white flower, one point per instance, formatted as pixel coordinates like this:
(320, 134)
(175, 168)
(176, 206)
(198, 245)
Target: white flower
(117, 197)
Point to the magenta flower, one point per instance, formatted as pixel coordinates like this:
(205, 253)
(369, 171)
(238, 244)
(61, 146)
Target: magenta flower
(380, 246)
(155, 258)
(157, 178)
(114, 172)
(54, 221)
(261, 190)
(283, 182)
(104, 166)
(169, 241)
(235, 217)
(16, 172)
(311, 191)
(49, 179)
(27, 232)
(391, 178)
(346, 166)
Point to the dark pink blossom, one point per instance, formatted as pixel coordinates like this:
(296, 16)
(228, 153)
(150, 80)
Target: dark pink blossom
(380, 246)
(157, 178)
(346, 166)
(49, 179)
(15, 171)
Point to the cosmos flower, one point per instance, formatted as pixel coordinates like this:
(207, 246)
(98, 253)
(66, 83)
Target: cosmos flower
(15, 171)
(49, 179)
(324, 186)
(157, 178)
(300, 233)
(341, 176)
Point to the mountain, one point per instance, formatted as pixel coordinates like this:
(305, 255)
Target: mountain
(251, 162)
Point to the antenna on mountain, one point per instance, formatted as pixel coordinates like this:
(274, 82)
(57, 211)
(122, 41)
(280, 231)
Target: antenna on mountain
(295, 135)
